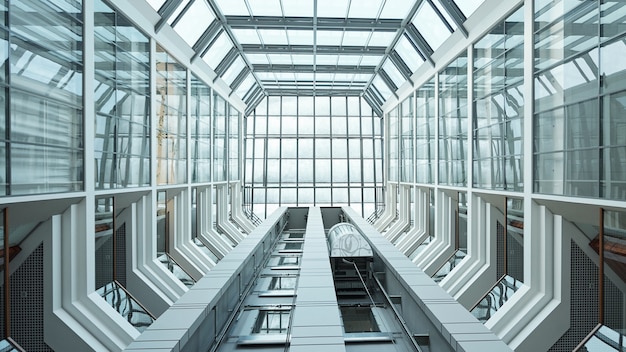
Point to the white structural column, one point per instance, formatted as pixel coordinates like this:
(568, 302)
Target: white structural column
(223, 222)
(218, 245)
(420, 231)
(477, 272)
(316, 323)
(442, 246)
(399, 227)
(236, 197)
(147, 279)
(538, 314)
(391, 207)
(184, 251)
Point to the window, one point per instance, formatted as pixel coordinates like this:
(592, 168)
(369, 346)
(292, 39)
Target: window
(271, 322)
(283, 283)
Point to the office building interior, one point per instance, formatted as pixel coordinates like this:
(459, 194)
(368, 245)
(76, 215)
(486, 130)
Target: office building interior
(306, 175)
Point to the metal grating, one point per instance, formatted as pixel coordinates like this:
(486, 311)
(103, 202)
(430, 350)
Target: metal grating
(584, 289)
(27, 297)
(120, 251)
(104, 261)
(500, 270)
(515, 258)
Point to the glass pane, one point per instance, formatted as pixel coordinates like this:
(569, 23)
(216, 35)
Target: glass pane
(430, 25)
(188, 26)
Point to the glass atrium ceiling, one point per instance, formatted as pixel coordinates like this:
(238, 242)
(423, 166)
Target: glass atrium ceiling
(366, 48)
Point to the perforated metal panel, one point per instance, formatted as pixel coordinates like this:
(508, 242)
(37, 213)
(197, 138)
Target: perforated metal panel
(584, 298)
(514, 258)
(120, 254)
(500, 270)
(27, 303)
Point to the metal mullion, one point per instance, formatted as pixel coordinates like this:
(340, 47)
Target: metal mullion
(314, 154)
(322, 49)
(389, 82)
(361, 158)
(332, 182)
(455, 14)
(297, 151)
(289, 23)
(267, 109)
(419, 43)
(165, 12)
(348, 151)
(280, 155)
(226, 62)
(211, 33)
(239, 79)
(600, 269)
(397, 60)
(7, 277)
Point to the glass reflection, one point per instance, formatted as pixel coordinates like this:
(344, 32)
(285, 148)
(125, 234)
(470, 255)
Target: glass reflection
(495, 298)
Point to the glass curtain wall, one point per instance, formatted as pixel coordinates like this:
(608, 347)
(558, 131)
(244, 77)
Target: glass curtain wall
(171, 99)
(122, 101)
(42, 127)
(393, 119)
(406, 147)
(453, 123)
(313, 151)
(580, 98)
(233, 143)
(220, 138)
(498, 106)
(425, 133)
(200, 119)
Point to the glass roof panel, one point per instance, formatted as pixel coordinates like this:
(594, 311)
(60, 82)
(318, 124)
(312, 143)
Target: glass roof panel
(329, 37)
(258, 59)
(382, 87)
(381, 38)
(344, 76)
(246, 36)
(280, 59)
(352, 60)
(371, 60)
(355, 38)
(324, 76)
(233, 7)
(445, 13)
(177, 12)
(302, 59)
(188, 26)
(326, 59)
(364, 9)
(332, 8)
(286, 76)
(408, 54)
(265, 76)
(393, 73)
(430, 25)
(265, 7)
(305, 76)
(468, 6)
(233, 71)
(273, 36)
(245, 86)
(156, 4)
(300, 37)
(293, 8)
(217, 51)
(396, 9)
(362, 77)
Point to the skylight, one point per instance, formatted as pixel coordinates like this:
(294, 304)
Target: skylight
(342, 46)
